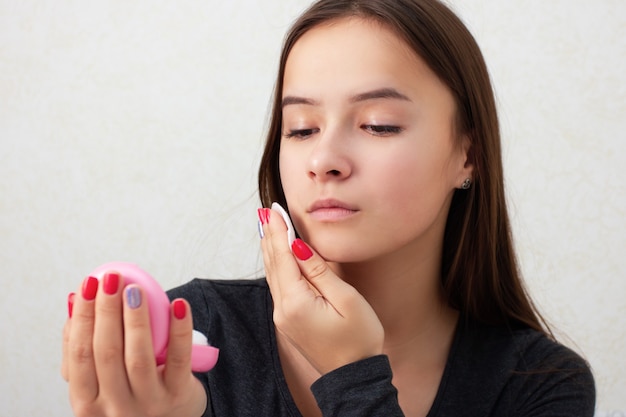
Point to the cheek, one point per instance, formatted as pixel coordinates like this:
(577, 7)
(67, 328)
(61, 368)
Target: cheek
(413, 187)
(401, 173)
(290, 169)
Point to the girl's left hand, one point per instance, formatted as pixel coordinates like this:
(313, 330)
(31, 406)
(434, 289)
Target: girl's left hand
(326, 319)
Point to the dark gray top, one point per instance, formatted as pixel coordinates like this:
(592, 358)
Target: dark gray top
(491, 371)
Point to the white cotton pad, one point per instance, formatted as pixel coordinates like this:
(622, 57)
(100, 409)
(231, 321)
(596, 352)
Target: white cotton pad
(291, 232)
(199, 338)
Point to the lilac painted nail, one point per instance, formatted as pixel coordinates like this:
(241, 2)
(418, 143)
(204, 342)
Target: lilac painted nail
(260, 227)
(133, 297)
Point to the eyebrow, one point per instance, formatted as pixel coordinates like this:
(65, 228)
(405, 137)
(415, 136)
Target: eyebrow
(290, 100)
(381, 93)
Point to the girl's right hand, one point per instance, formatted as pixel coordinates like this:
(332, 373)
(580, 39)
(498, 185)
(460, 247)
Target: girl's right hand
(108, 358)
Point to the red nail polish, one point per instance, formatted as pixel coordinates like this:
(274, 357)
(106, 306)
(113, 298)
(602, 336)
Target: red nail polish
(70, 304)
(258, 213)
(90, 288)
(110, 282)
(301, 250)
(262, 216)
(180, 309)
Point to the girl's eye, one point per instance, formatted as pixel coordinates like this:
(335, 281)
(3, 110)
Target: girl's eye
(300, 133)
(382, 130)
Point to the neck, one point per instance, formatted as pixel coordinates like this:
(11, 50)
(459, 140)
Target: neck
(405, 292)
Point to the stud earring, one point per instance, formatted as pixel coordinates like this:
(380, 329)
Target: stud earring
(466, 184)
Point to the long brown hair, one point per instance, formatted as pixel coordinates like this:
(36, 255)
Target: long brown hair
(480, 275)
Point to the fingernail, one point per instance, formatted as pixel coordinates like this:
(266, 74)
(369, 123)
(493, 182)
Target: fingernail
(261, 213)
(264, 215)
(301, 250)
(70, 304)
(133, 297)
(111, 282)
(260, 227)
(90, 288)
(180, 309)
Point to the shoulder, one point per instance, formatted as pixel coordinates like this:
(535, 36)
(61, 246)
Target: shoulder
(523, 348)
(540, 353)
(522, 371)
(549, 377)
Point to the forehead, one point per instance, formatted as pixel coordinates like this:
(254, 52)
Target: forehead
(351, 55)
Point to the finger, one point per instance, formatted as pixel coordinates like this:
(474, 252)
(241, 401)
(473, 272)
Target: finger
(138, 351)
(358, 331)
(277, 230)
(108, 339)
(317, 272)
(265, 215)
(178, 362)
(286, 276)
(66, 337)
(80, 361)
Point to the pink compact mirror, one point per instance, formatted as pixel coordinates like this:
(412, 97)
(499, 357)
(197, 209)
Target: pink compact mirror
(203, 356)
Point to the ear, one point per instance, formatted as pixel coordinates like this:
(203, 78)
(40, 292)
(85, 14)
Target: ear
(465, 161)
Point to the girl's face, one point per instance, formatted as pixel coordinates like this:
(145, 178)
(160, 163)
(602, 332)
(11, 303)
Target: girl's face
(369, 156)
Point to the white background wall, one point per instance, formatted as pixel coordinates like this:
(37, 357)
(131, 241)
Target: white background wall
(132, 131)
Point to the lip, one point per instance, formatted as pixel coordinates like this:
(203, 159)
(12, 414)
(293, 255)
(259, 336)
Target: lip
(331, 210)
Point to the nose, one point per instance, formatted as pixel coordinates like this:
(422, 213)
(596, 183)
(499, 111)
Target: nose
(329, 159)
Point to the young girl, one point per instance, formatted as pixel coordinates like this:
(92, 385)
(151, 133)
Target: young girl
(401, 295)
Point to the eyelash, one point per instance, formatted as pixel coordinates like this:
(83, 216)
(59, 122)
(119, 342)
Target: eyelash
(376, 130)
(300, 133)
(382, 130)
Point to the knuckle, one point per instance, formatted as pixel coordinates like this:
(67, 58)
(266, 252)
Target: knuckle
(137, 323)
(181, 331)
(138, 364)
(317, 270)
(108, 307)
(81, 352)
(83, 315)
(178, 360)
(179, 353)
(281, 258)
(108, 355)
